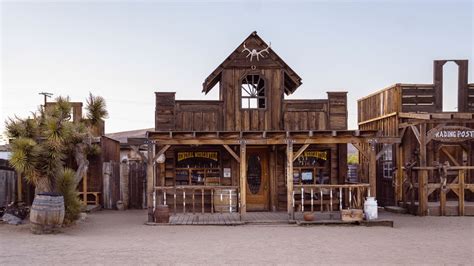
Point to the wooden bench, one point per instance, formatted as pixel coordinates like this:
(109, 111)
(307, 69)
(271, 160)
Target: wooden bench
(95, 194)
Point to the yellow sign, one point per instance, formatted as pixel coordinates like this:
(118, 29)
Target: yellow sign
(323, 155)
(197, 154)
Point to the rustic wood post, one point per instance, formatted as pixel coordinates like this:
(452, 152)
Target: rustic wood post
(423, 176)
(243, 178)
(149, 181)
(373, 168)
(461, 176)
(289, 179)
(84, 188)
(399, 175)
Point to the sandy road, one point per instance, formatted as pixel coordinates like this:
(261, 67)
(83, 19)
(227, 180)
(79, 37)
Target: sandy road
(112, 237)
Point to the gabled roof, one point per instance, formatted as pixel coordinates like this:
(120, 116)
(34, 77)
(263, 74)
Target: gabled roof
(239, 59)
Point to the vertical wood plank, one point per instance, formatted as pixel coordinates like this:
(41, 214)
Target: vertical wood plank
(462, 175)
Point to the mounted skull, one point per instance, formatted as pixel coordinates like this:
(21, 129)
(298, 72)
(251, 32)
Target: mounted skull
(254, 52)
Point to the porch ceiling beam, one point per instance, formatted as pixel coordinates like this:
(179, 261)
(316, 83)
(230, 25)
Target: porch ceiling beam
(231, 152)
(300, 151)
(162, 151)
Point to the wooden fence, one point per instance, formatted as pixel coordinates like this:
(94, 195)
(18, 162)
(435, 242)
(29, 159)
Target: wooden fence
(418, 196)
(111, 179)
(8, 184)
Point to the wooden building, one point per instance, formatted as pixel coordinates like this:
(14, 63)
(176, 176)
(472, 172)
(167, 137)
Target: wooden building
(267, 152)
(432, 170)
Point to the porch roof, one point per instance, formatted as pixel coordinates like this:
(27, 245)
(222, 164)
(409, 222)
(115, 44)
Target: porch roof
(264, 137)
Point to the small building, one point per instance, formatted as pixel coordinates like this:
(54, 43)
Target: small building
(267, 152)
(431, 171)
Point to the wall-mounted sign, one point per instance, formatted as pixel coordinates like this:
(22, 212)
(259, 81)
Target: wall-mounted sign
(212, 155)
(453, 134)
(323, 155)
(227, 173)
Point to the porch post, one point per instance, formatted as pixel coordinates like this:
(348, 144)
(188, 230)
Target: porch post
(373, 169)
(289, 179)
(149, 181)
(423, 177)
(243, 178)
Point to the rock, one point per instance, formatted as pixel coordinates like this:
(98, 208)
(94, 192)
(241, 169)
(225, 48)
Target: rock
(11, 219)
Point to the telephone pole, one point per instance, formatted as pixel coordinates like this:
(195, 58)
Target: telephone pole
(46, 96)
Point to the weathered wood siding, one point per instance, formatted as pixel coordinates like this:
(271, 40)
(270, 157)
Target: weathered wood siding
(238, 119)
(306, 114)
(198, 115)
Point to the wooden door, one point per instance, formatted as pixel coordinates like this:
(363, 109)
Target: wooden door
(258, 185)
(385, 178)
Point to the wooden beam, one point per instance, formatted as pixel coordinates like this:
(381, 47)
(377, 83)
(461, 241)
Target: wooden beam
(417, 133)
(415, 116)
(377, 118)
(161, 152)
(137, 150)
(359, 148)
(451, 158)
(381, 152)
(423, 177)
(432, 132)
(243, 179)
(231, 152)
(272, 141)
(300, 151)
(289, 179)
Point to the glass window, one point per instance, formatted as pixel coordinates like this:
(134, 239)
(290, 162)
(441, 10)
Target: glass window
(253, 92)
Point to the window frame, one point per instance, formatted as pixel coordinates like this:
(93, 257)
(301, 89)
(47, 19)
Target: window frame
(247, 97)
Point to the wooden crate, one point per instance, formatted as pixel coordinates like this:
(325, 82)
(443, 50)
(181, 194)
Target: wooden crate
(352, 215)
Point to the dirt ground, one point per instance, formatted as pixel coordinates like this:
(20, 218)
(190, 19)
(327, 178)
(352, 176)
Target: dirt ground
(113, 237)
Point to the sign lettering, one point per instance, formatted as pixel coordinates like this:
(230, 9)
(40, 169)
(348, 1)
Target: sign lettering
(198, 154)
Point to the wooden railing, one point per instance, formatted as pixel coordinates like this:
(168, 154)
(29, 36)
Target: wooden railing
(327, 196)
(414, 191)
(198, 198)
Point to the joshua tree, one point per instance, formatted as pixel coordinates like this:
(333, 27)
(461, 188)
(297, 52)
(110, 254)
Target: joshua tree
(46, 146)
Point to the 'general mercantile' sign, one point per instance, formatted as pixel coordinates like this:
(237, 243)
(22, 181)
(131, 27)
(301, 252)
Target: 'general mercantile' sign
(453, 134)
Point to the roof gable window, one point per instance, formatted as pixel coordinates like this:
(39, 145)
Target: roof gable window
(253, 94)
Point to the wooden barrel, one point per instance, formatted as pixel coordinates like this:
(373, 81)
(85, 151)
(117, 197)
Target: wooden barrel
(225, 200)
(162, 214)
(47, 213)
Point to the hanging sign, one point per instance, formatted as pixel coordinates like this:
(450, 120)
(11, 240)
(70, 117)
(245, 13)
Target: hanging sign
(453, 134)
(197, 154)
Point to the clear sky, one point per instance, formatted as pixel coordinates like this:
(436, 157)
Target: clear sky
(126, 50)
